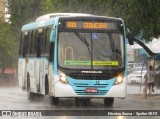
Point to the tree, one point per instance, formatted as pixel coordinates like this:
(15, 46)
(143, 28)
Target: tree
(75, 6)
(141, 16)
(8, 46)
(23, 11)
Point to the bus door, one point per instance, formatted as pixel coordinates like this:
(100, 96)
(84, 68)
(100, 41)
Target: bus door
(43, 55)
(40, 74)
(39, 60)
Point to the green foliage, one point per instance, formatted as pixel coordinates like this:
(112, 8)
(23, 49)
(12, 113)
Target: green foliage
(23, 11)
(8, 46)
(75, 6)
(139, 15)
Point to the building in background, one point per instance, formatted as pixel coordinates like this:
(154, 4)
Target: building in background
(137, 54)
(2, 10)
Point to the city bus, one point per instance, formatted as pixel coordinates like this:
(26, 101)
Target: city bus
(73, 55)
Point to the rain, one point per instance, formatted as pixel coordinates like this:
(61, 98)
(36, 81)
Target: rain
(16, 93)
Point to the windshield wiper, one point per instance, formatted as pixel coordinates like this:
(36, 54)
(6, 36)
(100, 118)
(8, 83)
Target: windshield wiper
(114, 50)
(83, 39)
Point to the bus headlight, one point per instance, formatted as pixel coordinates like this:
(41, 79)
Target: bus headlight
(62, 77)
(119, 79)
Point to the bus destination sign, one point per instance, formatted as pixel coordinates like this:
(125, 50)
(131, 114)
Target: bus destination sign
(87, 25)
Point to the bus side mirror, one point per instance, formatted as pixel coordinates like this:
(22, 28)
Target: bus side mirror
(129, 37)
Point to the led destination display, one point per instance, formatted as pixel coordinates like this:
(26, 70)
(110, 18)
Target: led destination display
(97, 25)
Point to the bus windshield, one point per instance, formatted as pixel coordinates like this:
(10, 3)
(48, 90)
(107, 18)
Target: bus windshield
(91, 50)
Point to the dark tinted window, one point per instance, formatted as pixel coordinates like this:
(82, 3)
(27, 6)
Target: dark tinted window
(25, 43)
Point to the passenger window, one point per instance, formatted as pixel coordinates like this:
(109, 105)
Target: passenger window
(26, 44)
(33, 43)
(40, 37)
(47, 41)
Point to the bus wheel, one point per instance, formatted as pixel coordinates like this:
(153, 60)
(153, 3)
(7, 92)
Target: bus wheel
(54, 100)
(108, 102)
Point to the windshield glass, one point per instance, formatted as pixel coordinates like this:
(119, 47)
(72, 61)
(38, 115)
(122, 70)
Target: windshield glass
(86, 50)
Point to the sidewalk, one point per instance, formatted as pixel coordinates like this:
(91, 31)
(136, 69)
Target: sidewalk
(138, 91)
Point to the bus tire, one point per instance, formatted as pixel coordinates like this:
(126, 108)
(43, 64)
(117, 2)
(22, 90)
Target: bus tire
(54, 101)
(30, 95)
(108, 102)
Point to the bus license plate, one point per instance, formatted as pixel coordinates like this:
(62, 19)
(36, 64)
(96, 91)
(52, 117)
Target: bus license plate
(91, 90)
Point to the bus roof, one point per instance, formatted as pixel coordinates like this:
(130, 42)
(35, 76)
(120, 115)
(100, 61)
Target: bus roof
(35, 25)
(53, 15)
(49, 19)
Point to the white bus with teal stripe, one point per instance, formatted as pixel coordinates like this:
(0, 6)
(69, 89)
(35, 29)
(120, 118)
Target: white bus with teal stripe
(70, 55)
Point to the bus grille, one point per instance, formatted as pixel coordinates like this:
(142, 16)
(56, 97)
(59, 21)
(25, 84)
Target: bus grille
(81, 89)
(91, 77)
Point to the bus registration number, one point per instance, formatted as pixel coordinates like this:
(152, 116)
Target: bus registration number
(91, 90)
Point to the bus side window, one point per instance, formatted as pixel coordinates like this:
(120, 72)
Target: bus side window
(39, 42)
(20, 48)
(51, 52)
(26, 44)
(33, 43)
(47, 42)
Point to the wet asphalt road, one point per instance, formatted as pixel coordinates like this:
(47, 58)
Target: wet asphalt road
(13, 98)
